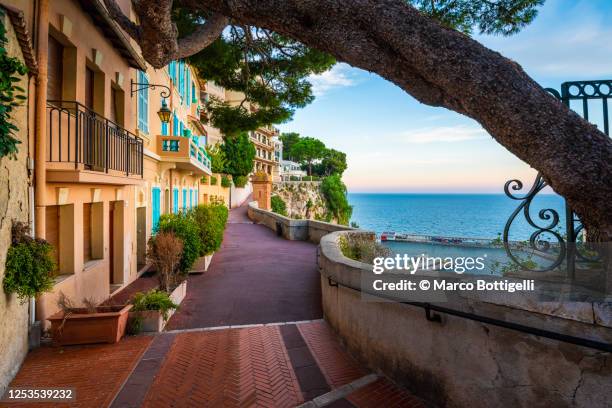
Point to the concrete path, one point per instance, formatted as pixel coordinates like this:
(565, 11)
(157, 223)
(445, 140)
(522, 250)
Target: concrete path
(254, 278)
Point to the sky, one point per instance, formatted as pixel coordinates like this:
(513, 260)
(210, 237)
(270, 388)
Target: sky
(395, 144)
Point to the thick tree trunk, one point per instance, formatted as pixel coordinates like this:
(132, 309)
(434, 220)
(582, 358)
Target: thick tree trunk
(442, 67)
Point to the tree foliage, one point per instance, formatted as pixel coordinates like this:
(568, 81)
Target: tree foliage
(333, 162)
(504, 17)
(278, 205)
(269, 69)
(307, 150)
(334, 192)
(240, 152)
(217, 158)
(11, 95)
(289, 139)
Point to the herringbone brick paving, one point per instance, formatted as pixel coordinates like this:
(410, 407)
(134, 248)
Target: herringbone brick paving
(226, 368)
(339, 368)
(95, 372)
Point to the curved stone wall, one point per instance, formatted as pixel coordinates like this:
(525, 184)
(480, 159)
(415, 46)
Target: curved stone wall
(463, 363)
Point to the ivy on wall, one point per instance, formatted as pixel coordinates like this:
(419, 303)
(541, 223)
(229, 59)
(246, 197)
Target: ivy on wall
(11, 95)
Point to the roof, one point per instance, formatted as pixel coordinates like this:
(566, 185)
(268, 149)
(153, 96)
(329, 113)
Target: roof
(23, 37)
(113, 32)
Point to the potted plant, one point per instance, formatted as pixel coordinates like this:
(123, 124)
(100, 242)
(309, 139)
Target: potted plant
(151, 311)
(88, 324)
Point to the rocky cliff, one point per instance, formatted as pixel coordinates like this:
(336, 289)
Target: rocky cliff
(303, 199)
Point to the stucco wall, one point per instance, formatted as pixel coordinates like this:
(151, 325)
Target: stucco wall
(14, 206)
(464, 363)
(293, 230)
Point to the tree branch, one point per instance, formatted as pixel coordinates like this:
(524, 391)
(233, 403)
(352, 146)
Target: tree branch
(203, 36)
(124, 22)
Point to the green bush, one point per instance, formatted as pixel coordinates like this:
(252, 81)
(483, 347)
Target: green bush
(153, 300)
(334, 192)
(211, 220)
(278, 205)
(187, 230)
(240, 181)
(225, 182)
(204, 180)
(29, 265)
(213, 181)
(294, 178)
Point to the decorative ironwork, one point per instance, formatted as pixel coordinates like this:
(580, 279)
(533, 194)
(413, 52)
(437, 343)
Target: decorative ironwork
(570, 246)
(76, 134)
(139, 86)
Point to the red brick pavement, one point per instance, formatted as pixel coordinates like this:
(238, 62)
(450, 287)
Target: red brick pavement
(95, 372)
(339, 368)
(226, 368)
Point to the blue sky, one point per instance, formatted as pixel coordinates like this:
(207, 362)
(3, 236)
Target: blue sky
(396, 144)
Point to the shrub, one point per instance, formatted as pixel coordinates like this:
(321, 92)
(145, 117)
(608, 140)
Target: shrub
(240, 181)
(211, 220)
(278, 205)
(153, 300)
(204, 180)
(213, 180)
(29, 265)
(225, 182)
(334, 192)
(294, 178)
(362, 248)
(165, 252)
(185, 228)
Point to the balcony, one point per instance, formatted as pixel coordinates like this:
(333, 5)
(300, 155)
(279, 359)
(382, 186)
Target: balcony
(185, 152)
(85, 147)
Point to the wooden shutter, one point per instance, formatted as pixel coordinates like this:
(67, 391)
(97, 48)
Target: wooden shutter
(52, 230)
(86, 232)
(55, 70)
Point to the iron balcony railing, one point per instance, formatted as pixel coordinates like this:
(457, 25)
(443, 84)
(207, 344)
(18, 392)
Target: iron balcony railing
(76, 134)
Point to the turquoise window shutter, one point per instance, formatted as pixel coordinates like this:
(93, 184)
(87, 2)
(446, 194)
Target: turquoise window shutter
(184, 199)
(175, 199)
(175, 125)
(143, 103)
(155, 208)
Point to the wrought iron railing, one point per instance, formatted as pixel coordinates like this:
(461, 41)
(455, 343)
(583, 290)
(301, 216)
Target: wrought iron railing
(565, 248)
(78, 135)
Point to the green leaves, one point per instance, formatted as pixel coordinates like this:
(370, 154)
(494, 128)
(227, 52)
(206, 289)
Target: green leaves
(505, 17)
(29, 265)
(334, 192)
(153, 300)
(10, 94)
(271, 70)
(278, 205)
(240, 153)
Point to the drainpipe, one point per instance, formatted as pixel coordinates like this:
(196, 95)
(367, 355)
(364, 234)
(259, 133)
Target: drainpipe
(42, 44)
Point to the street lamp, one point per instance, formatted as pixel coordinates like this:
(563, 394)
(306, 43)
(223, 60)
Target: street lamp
(164, 112)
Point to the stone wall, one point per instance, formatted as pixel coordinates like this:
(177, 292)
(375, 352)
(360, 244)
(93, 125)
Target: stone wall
(14, 206)
(303, 199)
(465, 363)
(291, 229)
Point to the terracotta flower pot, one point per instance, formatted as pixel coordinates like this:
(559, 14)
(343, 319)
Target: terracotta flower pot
(80, 327)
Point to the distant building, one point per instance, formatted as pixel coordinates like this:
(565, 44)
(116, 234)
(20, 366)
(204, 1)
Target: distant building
(278, 157)
(291, 169)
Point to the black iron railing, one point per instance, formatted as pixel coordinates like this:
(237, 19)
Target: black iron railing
(76, 134)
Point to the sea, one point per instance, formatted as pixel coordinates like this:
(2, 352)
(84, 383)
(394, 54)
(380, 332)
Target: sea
(452, 215)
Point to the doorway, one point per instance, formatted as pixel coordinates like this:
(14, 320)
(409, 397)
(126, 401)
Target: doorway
(111, 244)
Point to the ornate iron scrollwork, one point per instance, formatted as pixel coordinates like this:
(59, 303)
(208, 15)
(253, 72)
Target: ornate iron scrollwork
(549, 216)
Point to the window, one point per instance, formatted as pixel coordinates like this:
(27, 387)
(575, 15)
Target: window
(175, 124)
(181, 78)
(190, 198)
(55, 70)
(194, 98)
(143, 103)
(187, 88)
(164, 129)
(155, 207)
(184, 199)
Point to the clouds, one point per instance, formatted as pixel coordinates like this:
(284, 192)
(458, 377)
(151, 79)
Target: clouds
(441, 134)
(567, 41)
(339, 76)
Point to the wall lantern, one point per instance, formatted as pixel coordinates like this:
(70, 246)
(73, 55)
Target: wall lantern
(164, 112)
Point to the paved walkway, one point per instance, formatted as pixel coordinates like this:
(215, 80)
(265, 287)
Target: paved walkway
(257, 280)
(254, 278)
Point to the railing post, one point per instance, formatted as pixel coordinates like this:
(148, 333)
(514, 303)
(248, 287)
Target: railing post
(127, 154)
(106, 145)
(77, 133)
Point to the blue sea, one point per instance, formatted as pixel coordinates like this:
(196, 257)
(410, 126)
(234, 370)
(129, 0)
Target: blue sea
(457, 215)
